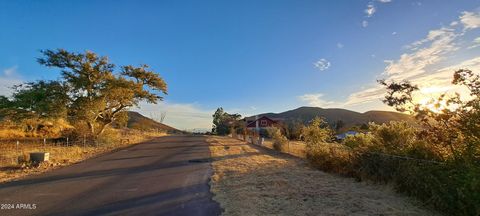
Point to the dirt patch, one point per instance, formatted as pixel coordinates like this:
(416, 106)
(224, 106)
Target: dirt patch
(250, 180)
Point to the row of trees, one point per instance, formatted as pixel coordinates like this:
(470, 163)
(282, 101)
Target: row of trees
(91, 92)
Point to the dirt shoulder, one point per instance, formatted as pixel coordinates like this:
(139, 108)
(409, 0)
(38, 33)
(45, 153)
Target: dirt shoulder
(250, 180)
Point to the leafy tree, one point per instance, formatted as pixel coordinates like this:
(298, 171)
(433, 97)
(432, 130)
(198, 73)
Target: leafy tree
(293, 129)
(97, 94)
(316, 133)
(47, 99)
(454, 124)
(217, 121)
(224, 123)
(399, 95)
(35, 102)
(450, 130)
(280, 142)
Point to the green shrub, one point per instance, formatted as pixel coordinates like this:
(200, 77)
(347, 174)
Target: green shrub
(452, 188)
(280, 142)
(322, 153)
(316, 134)
(393, 138)
(332, 157)
(397, 153)
(358, 140)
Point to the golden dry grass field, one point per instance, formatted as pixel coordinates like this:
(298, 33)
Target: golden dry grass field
(60, 156)
(251, 180)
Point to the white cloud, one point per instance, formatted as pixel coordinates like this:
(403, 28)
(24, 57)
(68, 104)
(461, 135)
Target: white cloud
(454, 23)
(394, 33)
(340, 45)
(365, 96)
(322, 64)
(315, 99)
(8, 79)
(423, 63)
(364, 23)
(423, 53)
(413, 65)
(444, 75)
(431, 86)
(470, 20)
(10, 71)
(180, 116)
(370, 10)
(476, 43)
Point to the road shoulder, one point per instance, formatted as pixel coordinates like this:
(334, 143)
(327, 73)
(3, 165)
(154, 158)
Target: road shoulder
(250, 180)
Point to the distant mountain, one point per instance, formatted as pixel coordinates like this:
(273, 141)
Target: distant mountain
(140, 122)
(386, 116)
(333, 115)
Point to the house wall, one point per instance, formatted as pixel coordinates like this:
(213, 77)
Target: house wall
(266, 123)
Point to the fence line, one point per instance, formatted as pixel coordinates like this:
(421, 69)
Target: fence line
(405, 157)
(250, 139)
(11, 149)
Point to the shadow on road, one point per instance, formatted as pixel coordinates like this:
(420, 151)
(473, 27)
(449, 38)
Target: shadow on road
(157, 177)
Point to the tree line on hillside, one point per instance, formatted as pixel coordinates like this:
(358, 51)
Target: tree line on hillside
(90, 95)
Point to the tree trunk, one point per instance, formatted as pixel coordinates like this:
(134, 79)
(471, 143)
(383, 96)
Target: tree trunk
(102, 128)
(91, 126)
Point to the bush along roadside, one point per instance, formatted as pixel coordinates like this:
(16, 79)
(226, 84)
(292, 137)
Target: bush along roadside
(280, 142)
(393, 153)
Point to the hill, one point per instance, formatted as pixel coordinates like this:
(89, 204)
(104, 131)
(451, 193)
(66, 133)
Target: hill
(334, 115)
(140, 122)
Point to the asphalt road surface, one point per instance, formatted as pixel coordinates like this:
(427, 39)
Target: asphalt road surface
(166, 176)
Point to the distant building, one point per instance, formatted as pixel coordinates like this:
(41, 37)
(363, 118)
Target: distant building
(256, 123)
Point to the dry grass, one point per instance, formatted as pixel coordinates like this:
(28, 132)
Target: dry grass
(62, 155)
(7, 133)
(296, 148)
(250, 180)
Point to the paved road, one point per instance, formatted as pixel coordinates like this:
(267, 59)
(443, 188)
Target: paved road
(160, 177)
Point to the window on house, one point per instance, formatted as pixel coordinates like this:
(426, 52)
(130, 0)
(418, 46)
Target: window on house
(263, 123)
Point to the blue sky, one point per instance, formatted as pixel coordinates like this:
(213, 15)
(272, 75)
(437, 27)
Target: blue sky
(251, 56)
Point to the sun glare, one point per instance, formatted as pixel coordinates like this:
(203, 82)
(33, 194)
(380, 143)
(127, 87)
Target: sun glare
(428, 98)
(430, 104)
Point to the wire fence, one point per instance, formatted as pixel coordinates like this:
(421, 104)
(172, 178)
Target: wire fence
(45, 142)
(11, 149)
(298, 149)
